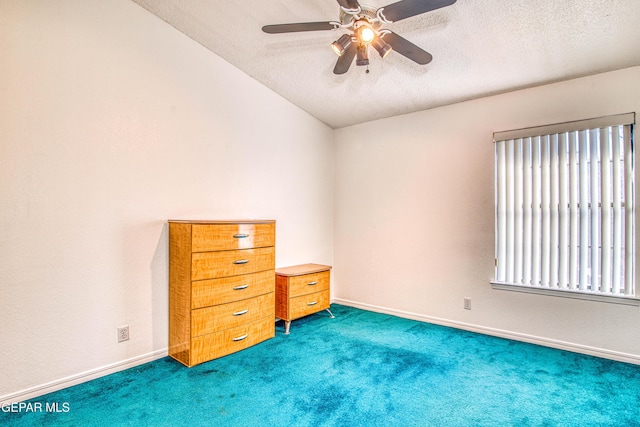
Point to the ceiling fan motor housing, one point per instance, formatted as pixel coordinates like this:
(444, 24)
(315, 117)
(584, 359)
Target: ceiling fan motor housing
(367, 13)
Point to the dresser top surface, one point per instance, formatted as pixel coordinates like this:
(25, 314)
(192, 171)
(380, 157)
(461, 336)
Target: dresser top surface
(299, 270)
(224, 221)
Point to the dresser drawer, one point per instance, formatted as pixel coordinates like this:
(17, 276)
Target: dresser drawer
(223, 237)
(211, 265)
(309, 283)
(219, 317)
(308, 304)
(228, 289)
(220, 344)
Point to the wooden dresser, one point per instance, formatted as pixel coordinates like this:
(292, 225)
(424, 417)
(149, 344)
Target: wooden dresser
(221, 287)
(302, 290)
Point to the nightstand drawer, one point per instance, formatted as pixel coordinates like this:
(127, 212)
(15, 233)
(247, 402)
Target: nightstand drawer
(220, 317)
(220, 344)
(211, 265)
(308, 304)
(205, 293)
(309, 283)
(224, 237)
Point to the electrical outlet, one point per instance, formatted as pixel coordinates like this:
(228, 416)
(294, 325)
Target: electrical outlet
(467, 303)
(123, 333)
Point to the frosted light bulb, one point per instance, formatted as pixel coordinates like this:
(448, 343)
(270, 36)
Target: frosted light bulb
(366, 35)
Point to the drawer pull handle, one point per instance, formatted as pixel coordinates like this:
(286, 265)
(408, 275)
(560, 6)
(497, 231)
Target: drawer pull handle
(240, 338)
(240, 313)
(240, 236)
(241, 287)
(312, 303)
(312, 283)
(241, 261)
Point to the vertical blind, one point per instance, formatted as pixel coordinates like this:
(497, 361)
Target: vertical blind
(565, 206)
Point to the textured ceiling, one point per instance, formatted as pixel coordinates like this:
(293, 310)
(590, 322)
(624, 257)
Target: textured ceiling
(479, 48)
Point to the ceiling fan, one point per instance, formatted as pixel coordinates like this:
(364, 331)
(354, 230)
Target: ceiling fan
(365, 24)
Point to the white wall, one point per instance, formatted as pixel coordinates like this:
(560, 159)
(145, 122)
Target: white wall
(414, 217)
(112, 122)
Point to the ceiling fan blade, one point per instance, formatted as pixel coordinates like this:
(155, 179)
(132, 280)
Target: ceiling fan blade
(344, 62)
(349, 4)
(406, 48)
(300, 26)
(408, 8)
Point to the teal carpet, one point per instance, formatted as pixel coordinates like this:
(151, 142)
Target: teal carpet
(359, 369)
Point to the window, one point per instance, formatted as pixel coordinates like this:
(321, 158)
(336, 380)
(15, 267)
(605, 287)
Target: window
(565, 207)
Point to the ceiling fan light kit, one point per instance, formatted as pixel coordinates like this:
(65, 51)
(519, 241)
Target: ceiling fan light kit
(365, 24)
(364, 31)
(382, 47)
(362, 58)
(342, 44)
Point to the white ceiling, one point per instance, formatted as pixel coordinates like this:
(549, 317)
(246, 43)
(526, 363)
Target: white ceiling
(479, 48)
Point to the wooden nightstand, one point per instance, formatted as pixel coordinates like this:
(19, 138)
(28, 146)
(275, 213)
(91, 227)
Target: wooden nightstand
(302, 290)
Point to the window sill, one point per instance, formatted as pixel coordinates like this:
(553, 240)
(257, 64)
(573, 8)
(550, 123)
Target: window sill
(567, 294)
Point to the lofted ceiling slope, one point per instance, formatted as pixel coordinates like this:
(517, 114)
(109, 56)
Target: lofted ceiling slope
(479, 48)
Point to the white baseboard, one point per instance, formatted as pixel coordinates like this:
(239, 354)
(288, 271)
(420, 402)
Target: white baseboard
(82, 377)
(516, 336)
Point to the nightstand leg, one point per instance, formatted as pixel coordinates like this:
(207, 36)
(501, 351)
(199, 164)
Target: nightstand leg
(330, 313)
(287, 325)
